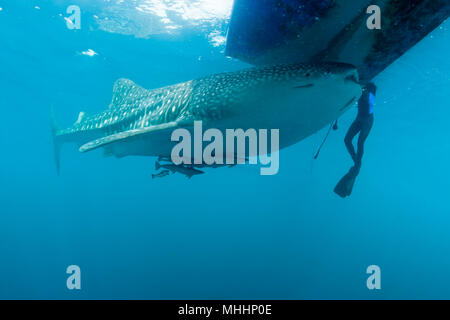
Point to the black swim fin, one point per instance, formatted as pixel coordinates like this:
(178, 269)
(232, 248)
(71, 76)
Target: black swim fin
(345, 185)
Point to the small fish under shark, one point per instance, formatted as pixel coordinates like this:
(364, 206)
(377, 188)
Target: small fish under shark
(188, 171)
(297, 99)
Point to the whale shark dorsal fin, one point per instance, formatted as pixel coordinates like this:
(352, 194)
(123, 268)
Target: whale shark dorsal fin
(126, 92)
(153, 132)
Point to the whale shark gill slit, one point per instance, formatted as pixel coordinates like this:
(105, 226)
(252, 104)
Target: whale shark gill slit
(309, 85)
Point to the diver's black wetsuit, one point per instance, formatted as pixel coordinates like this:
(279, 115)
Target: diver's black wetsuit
(362, 125)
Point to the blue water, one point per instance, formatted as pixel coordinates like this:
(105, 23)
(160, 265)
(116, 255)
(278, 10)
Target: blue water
(231, 233)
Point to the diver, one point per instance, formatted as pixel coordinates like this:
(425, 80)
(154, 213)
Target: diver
(362, 125)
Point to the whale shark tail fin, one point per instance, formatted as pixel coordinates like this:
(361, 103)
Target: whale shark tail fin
(56, 142)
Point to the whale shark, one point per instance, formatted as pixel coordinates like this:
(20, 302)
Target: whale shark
(298, 99)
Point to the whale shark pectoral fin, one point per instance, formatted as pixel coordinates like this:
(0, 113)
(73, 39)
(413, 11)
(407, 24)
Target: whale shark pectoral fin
(128, 136)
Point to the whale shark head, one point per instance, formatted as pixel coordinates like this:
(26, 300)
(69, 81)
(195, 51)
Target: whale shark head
(299, 99)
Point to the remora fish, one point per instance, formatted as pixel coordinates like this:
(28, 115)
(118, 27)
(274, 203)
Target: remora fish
(297, 99)
(188, 171)
(161, 174)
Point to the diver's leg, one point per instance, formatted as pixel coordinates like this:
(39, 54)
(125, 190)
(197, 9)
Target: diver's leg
(351, 133)
(365, 130)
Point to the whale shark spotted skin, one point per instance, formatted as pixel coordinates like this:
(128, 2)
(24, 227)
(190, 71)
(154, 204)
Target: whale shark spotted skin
(297, 99)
